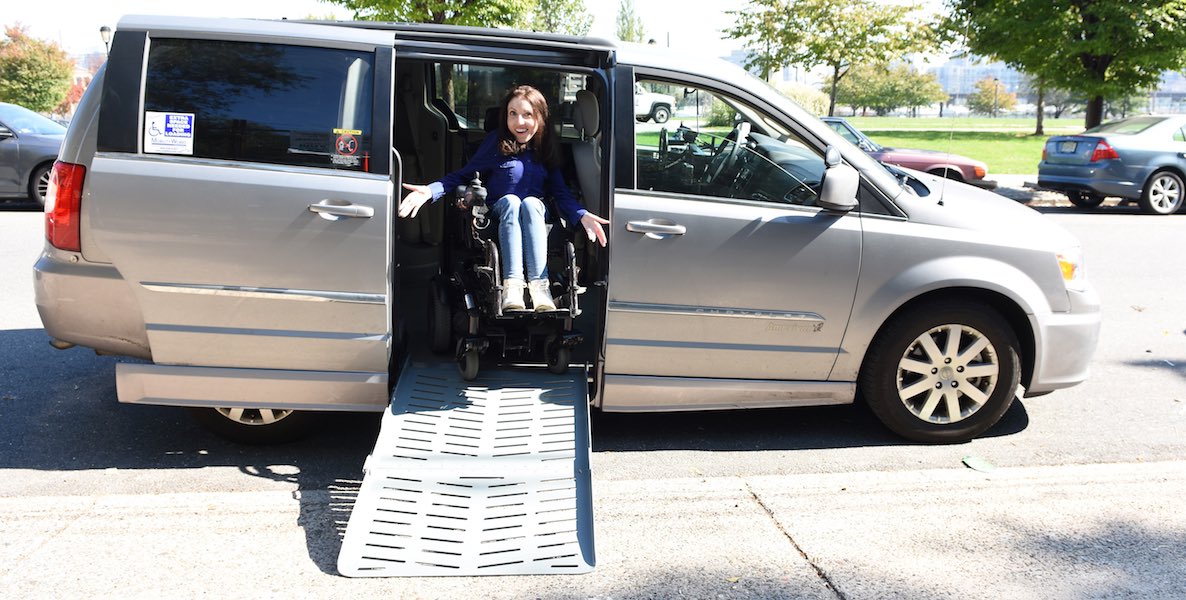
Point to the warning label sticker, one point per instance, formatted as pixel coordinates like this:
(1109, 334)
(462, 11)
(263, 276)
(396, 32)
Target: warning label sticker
(169, 133)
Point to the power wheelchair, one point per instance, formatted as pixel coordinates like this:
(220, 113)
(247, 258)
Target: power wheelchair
(465, 297)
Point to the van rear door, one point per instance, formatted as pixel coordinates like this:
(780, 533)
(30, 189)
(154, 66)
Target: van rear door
(243, 187)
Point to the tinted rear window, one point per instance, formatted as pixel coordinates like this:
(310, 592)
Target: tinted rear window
(266, 103)
(1128, 126)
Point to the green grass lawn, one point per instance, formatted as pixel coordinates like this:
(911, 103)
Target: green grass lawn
(1008, 146)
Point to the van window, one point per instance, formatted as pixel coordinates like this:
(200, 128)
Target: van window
(470, 91)
(696, 150)
(264, 103)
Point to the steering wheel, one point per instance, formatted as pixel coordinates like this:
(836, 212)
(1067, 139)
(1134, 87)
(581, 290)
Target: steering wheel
(664, 146)
(728, 152)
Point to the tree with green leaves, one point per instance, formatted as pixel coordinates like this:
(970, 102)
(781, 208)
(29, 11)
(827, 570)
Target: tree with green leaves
(476, 13)
(630, 27)
(1102, 49)
(885, 88)
(561, 16)
(991, 98)
(33, 73)
(833, 33)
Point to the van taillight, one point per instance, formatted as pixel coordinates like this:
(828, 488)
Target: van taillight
(1103, 151)
(63, 206)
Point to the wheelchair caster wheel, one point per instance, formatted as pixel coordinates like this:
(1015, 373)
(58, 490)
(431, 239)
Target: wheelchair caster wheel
(468, 365)
(558, 358)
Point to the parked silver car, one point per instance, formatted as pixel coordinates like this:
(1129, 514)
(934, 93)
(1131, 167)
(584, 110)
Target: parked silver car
(245, 242)
(1139, 158)
(29, 145)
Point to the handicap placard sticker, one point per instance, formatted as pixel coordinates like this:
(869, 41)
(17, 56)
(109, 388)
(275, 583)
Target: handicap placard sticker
(169, 133)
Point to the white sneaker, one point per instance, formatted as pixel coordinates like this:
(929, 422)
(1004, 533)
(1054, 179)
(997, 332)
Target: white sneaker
(512, 294)
(541, 297)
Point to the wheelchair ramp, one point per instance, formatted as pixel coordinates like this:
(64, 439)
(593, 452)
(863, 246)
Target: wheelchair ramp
(489, 477)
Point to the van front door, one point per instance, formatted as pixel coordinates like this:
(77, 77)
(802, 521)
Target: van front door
(723, 269)
(251, 209)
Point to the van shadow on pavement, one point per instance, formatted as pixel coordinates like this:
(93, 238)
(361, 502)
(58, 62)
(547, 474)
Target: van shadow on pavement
(59, 412)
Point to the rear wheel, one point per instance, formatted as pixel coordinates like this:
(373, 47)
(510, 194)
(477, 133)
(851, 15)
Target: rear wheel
(255, 425)
(1085, 199)
(942, 373)
(39, 183)
(1163, 193)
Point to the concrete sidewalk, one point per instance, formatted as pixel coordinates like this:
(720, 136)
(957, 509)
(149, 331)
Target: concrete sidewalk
(1098, 531)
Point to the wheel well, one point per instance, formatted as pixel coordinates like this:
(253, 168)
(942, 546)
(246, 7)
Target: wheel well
(658, 105)
(47, 163)
(1009, 310)
(1171, 168)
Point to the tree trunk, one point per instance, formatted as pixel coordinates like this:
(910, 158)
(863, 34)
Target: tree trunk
(832, 93)
(1095, 112)
(1041, 110)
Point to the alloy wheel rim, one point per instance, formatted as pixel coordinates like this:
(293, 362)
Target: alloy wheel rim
(947, 374)
(254, 416)
(1165, 193)
(43, 186)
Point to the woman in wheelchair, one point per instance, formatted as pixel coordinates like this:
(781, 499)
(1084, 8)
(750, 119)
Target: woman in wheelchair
(519, 162)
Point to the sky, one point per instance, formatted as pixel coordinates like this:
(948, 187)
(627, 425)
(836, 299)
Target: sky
(673, 23)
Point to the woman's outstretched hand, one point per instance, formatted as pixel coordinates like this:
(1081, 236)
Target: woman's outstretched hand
(417, 196)
(592, 224)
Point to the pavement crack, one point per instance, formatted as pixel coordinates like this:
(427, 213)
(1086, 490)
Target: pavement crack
(819, 571)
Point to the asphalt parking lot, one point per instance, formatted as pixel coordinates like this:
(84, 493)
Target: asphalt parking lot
(1073, 495)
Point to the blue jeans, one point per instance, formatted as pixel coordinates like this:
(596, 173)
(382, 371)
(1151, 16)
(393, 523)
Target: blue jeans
(523, 237)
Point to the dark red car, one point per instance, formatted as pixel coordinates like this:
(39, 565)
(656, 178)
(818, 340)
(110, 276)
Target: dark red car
(943, 164)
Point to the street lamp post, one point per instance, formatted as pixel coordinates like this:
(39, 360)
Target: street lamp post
(105, 33)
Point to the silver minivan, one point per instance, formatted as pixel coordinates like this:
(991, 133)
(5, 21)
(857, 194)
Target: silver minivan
(222, 209)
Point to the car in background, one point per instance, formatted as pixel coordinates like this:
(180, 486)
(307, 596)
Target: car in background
(652, 106)
(29, 144)
(943, 164)
(1140, 158)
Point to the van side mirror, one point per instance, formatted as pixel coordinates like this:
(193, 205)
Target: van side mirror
(838, 191)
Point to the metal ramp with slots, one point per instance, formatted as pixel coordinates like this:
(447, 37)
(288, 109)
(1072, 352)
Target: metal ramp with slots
(489, 477)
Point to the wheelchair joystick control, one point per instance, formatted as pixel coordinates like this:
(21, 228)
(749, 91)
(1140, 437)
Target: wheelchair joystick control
(472, 197)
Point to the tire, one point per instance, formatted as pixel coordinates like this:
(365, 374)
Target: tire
(1085, 199)
(468, 365)
(1162, 194)
(558, 357)
(933, 395)
(660, 114)
(255, 426)
(39, 183)
(440, 323)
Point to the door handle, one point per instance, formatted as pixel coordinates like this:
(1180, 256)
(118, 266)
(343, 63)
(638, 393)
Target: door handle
(341, 208)
(656, 226)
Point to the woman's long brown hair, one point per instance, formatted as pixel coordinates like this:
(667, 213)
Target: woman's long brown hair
(541, 142)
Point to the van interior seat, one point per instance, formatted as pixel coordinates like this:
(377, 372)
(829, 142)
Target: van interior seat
(586, 152)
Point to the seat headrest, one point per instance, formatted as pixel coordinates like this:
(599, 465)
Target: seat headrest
(586, 117)
(491, 121)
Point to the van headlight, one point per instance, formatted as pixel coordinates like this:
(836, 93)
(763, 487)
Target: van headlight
(1070, 264)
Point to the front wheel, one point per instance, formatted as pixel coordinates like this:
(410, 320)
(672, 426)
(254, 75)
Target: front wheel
(255, 425)
(1162, 194)
(942, 373)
